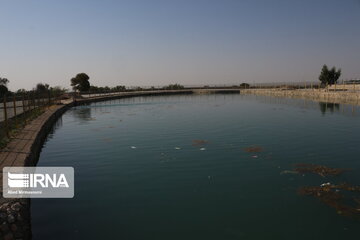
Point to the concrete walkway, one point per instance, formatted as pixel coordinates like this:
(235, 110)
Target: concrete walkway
(23, 150)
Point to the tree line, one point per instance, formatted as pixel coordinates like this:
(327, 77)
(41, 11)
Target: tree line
(81, 83)
(40, 88)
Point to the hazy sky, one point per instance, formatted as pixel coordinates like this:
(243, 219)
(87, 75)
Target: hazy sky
(152, 42)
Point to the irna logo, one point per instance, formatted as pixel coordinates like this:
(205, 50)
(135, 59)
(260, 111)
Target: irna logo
(37, 180)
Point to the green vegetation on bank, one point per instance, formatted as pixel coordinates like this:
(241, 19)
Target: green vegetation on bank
(107, 89)
(81, 84)
(29, 105)
(174, 87)
(42, 89)
(16, 124)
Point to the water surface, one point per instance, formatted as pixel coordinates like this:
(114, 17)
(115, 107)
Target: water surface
(139, 174)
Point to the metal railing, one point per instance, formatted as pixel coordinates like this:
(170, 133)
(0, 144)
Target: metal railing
(17, 109)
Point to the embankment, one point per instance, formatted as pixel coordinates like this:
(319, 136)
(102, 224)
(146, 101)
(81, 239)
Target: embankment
(343, 97)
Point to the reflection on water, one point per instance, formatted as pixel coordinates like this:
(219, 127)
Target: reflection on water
(82, 113)
(331, 107)
(304, 105)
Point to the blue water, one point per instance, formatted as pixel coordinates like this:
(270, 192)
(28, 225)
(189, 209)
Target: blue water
(138, 174)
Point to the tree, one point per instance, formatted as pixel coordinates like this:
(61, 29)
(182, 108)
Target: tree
(20, 91)
(57, 90)
(3, 90)
(4, 81)
(41, 88)
(119, 88)
(174, 87)
(3, 86)
(80, 82)
(329, 76)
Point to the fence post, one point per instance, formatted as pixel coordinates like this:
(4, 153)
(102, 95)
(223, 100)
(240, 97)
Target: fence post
(33, 98)
(5, 117)
(14, 102)
(23, 102)
(38, 100)
(24, 109)
(28, 101)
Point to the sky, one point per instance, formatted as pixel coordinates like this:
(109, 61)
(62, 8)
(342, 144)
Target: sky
(153, 42)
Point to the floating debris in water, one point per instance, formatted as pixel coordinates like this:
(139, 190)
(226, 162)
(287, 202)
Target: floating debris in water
(325, 184)
(255, 156)
(289, 172)
(133, 147)
(319, 169)
(202, 149)
(332, 195)
(199, 142)
(253, 149)
(177, 148)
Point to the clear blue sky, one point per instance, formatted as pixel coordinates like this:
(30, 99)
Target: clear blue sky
(152, 42)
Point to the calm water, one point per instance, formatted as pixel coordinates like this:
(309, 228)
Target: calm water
(138, 175)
